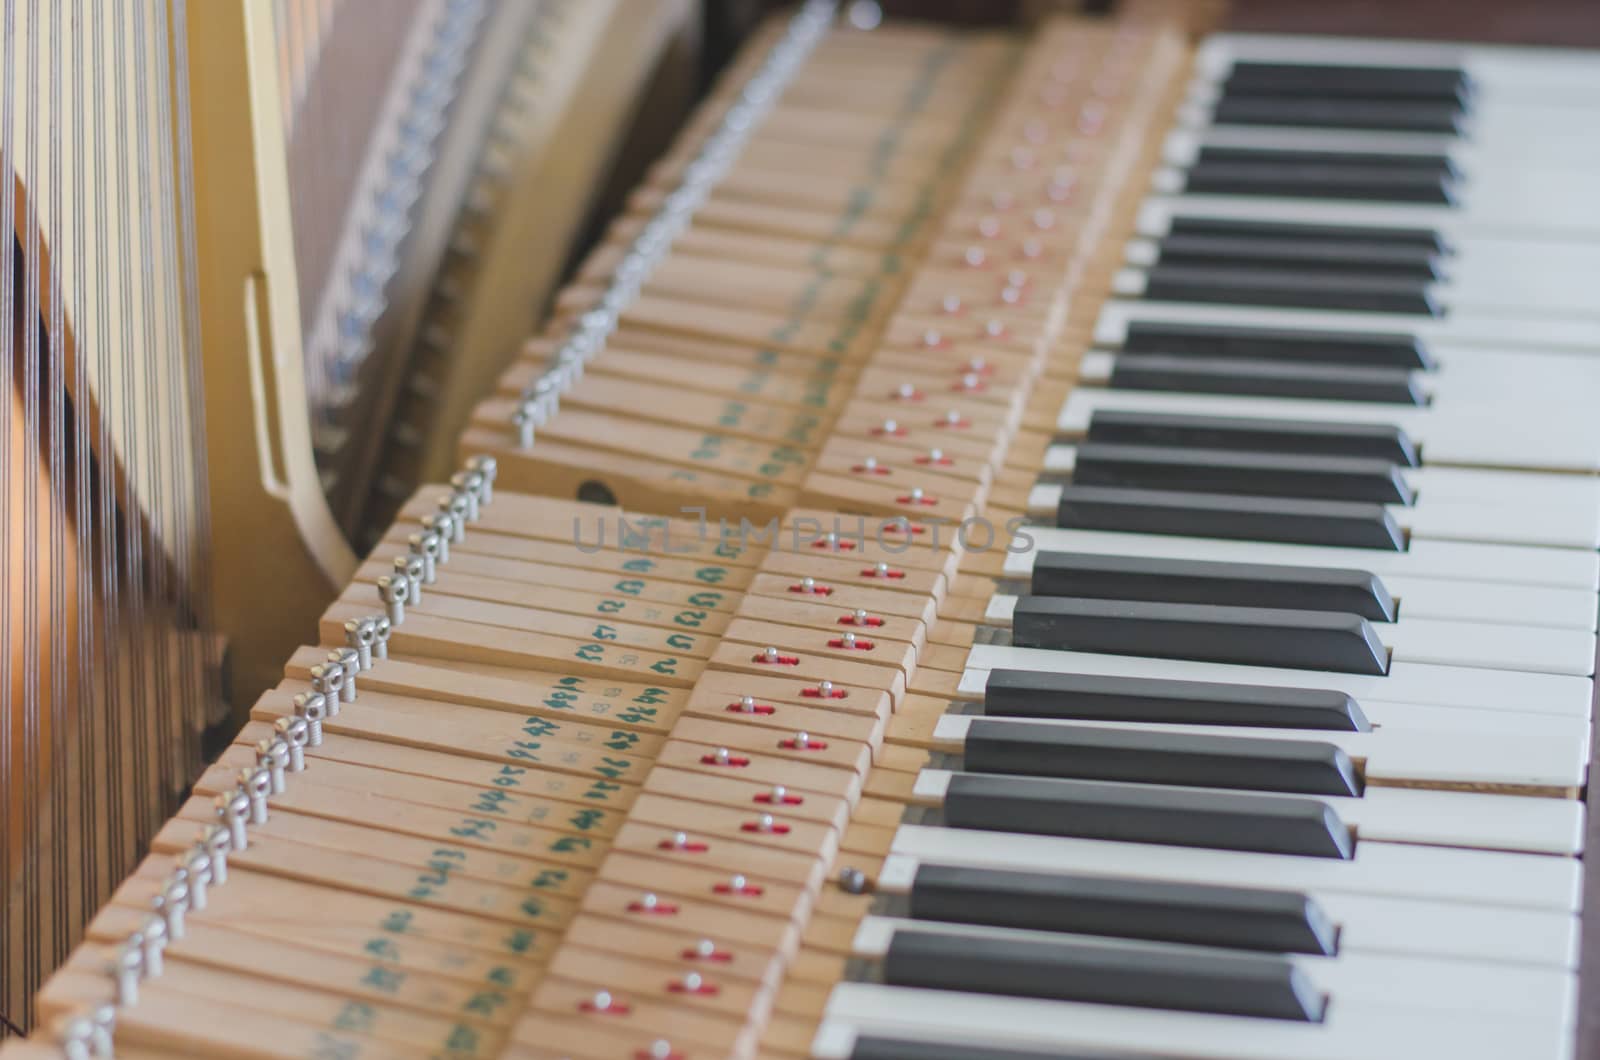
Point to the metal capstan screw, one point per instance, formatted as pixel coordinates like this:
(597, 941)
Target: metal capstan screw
(345, 659)
(361, 633)
(218, 842)
(327, 680)
(469, 485)
(394, 593)
(126, 969)
(442, 526)
(384, 627)
(172, 903)
(295, 733)
(273, 756)
(197, 870)
(426, 547)
(410, 568)
(152, 944)
(233, 810)
(313, 707)
(257, 785)
(455, 506)
(488, 467)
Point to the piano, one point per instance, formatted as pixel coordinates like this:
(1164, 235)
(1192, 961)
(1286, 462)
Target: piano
(1070, 542)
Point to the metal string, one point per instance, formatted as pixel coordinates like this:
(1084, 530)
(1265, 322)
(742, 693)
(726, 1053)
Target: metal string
(10, 913)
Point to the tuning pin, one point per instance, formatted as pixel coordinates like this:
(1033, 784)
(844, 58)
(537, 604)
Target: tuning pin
(426, 546)
(257, 784)
(360, 633)
(273, 756)
(295, 734)
(313, 707)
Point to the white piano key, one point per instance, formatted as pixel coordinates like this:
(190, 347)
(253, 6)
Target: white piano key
(1551, 753)
(1445, 986)
(1484, 877)
(1359, 1028)
(1449, 686)
(1463, 561)
(1390, 924)
(1414, 638)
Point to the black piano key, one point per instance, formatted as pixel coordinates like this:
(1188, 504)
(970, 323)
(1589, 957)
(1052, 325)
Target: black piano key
(1141, 813)
(1146, 976)
(1246, 918)
(1291, 289)
(1312, 476)
(1188, 581)
(1086, 697)
(1234, 343)
(1442, 84)
(1143, 756)
(876, 1047)
(1373, 259)
(1245, 636)
(1189, 224)
(1352, 113)
(1338, 524)
(1286, 379)
(1441, 165)
(1374, 441)
(1319, 182)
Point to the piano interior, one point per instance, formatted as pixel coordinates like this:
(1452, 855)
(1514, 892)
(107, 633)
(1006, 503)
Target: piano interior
(856, 531)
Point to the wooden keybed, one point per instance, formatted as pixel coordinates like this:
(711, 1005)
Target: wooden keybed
(612, 787)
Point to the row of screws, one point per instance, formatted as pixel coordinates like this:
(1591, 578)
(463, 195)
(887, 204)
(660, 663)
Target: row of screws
(88, 1034)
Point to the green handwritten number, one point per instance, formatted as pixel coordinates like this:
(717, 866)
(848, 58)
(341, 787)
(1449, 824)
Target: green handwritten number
(613, 767)
(711, 575)
(706, 599)
(523, 749)
(639, 566)
(692, 619)
(631, 586)
(681, 641)
(591, 652)
(665, 666)
(651, 696)
(621, 741)
(611, 607)
(600, 790)
(536, 726)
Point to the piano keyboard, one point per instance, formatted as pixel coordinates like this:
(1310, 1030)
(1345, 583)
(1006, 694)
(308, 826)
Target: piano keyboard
(1022, 549)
